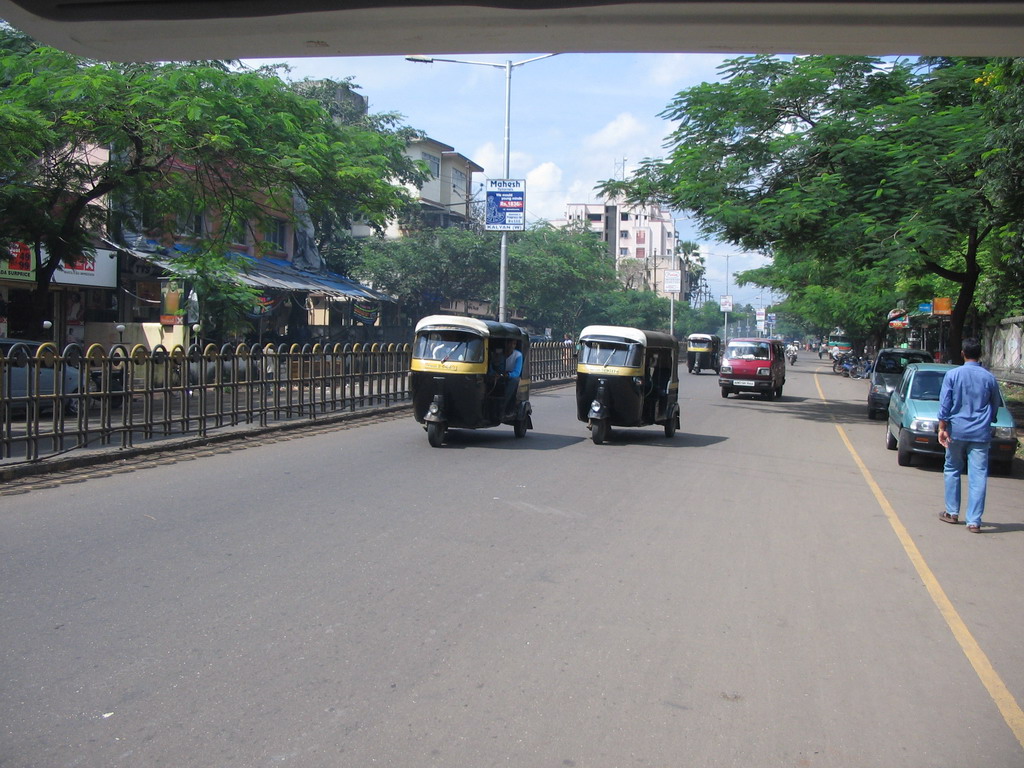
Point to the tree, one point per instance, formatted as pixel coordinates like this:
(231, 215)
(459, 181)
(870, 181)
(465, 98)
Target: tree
(89, 148)
(860, 165)
(621, 306)
(1002, 173)
(554, 274)
(332, 223)
(431, 266)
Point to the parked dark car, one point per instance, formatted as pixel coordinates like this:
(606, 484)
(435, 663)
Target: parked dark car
(20, 381)
(885, 376)
(913, 423)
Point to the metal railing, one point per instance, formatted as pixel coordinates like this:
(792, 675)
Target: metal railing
(53, 402)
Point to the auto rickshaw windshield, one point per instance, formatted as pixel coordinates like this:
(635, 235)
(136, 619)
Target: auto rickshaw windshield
(606, 353)
(449, 345)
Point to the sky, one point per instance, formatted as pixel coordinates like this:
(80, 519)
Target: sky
(576, 119)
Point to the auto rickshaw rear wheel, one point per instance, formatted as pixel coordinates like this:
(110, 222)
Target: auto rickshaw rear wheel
(435, 433)
(599, 430)
(670, 426)
(519, 427)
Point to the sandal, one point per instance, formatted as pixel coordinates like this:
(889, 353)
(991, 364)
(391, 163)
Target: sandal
(948, 518)
(974, 529)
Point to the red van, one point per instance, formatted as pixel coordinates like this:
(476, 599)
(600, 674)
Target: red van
(753, 366)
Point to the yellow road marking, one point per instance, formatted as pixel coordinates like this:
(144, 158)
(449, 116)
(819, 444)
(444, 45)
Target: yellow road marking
(1008, 706)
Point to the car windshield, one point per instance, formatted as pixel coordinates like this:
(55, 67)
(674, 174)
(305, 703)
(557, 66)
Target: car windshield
(755, 350)
(896, 362)
(449, 345)
(605, 353)
(927, 385)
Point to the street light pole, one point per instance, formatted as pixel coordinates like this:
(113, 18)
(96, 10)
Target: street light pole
(508, 66)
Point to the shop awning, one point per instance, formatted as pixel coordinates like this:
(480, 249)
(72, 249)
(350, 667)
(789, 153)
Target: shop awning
(273, 274)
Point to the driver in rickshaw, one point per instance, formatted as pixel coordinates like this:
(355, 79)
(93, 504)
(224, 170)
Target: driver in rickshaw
(507, 364)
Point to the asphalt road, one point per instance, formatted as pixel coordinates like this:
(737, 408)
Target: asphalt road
(768, 588)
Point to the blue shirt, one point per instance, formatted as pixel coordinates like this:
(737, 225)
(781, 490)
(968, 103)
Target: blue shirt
(514, 364)
(969, 400)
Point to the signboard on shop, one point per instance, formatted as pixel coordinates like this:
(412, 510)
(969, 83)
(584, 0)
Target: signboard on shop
(18, 262)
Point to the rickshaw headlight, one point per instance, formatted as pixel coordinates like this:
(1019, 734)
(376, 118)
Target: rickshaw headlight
(433, 410)
(638, 382)
(595, 405)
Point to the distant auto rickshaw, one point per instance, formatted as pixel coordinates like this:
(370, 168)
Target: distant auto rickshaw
(626, 377)
(703, 353)
(470, 374)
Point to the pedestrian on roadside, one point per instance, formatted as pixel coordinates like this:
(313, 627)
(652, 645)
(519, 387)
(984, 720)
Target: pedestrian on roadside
(968, 402)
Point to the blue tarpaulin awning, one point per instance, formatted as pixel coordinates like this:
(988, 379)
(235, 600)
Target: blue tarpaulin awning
(275, 274)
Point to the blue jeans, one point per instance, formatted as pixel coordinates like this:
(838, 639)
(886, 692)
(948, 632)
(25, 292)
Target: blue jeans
(971, 456)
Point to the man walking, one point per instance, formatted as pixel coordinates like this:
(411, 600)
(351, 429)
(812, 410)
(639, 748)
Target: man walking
(968, 403)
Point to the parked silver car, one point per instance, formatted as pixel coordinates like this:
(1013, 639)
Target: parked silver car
(885, 376)
(26, 376)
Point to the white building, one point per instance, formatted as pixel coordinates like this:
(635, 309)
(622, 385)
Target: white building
(446, 198)
(641, 238)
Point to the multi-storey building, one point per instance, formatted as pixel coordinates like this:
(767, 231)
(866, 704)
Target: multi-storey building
(445, 199)
(641, 239)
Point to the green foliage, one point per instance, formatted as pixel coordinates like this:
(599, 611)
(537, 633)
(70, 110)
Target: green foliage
(431, 266)
(554, 274)
(856, 176)
(184, 139)
(707, 318)
(639, 309)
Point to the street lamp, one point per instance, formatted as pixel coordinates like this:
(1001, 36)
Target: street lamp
(508, 66)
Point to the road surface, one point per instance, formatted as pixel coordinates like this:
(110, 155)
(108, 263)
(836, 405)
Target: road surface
(767, 588)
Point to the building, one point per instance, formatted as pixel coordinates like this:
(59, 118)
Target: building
(641, 239)
(445, 200)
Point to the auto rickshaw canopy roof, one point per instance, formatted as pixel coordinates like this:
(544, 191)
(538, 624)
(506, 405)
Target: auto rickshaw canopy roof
(626, 333)
(486, 328)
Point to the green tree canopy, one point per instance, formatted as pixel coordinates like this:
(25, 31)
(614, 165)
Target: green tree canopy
(554, 274)
(431, 266)
(870, 169)
(160, 142)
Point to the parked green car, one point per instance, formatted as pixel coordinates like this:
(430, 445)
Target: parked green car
(913, 422)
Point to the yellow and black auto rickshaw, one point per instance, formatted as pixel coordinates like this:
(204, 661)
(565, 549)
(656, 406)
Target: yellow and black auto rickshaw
(703, 353)
(626, 377)
(470, 374)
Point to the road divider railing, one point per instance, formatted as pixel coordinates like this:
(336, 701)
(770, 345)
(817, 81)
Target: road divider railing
(53, 402)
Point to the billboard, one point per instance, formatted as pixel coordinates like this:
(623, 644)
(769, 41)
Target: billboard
(506, 205)
(673, 280)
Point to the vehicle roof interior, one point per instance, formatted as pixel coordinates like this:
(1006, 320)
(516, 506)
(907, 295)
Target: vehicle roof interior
(154, 30)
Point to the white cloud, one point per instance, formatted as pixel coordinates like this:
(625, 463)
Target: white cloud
(622, 130)
(545, 195)
(681, 70)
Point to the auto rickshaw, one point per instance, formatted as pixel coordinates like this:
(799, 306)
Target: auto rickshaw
(459, 379)
(626, 377)
(703, 352)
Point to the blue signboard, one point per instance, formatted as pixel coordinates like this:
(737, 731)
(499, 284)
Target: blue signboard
(506, 205)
